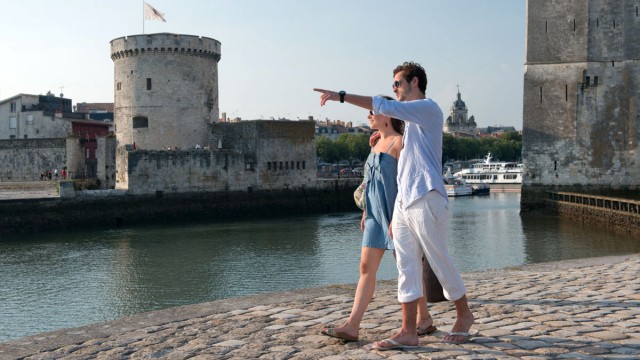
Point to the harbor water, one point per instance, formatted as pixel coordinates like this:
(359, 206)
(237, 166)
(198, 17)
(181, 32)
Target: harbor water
(57, 280)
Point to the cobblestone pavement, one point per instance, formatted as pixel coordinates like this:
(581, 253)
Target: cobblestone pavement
(578, 309)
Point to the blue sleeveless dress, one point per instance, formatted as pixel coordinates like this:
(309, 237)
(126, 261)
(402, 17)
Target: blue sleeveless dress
(381, 191)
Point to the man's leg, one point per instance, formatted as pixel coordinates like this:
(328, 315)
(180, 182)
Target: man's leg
(464, 321)
(429, 220)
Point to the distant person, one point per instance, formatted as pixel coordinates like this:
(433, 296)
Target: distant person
(419, 224)
(380, 194)
(64, 174)
(55, 174)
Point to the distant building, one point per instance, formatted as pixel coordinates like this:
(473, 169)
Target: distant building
(88, 132)
(41, 132)
(97, 111)
(458, 123)
(333, 129)
(25, 116)
(495, 131)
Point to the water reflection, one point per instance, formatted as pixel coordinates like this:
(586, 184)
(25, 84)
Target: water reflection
(486, 232)
(57, 280)
(549, 238)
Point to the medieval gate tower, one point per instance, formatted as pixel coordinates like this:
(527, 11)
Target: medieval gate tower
(166, 93)
(581, 121)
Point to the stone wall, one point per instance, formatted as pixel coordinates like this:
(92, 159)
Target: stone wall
(26, 159)
(112, 208)
(106, 159)
(279, 154)
(247, 156)
(581, 88)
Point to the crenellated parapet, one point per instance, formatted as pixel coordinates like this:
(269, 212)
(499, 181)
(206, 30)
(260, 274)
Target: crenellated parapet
(165, 43)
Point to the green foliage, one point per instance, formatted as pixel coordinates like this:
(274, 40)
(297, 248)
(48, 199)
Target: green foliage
(507, 148)
(356, 147)
(347, 147)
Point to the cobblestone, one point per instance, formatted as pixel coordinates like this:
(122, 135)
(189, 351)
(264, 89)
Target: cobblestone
(578, 309)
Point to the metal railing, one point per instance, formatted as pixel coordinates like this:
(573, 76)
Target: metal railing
(601, 202)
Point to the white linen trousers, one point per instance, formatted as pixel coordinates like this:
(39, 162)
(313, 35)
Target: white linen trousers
(422, 228)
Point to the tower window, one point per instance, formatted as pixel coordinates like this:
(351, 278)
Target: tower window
(546, 27)
(574, 24)
(148, 83)
(566, 92)
(588, 81)
(119, 86)
(140, 122)
(595, 81)
(540, 94)
(13, 106)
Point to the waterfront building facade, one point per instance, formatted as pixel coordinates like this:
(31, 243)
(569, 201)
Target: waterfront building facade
(581, 124)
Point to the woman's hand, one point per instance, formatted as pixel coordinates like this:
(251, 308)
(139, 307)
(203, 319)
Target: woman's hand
(364, 216)
(374, 138)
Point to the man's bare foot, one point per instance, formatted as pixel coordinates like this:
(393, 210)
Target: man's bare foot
(460, 331)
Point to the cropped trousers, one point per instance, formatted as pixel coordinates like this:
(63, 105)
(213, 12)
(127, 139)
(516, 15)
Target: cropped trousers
(420, 229)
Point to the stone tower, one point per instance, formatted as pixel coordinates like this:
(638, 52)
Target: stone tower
(458, 123)
(166, 92)
(581, 123)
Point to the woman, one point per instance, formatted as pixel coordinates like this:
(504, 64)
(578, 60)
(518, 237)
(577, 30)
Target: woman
(380, 193)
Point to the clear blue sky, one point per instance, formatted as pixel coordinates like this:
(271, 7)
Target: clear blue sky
(274, 52)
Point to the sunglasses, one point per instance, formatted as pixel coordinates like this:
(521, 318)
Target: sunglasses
(370, 112)
(396, 84)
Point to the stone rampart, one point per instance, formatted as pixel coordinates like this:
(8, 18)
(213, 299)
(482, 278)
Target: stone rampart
(111, 208)
(26, 159)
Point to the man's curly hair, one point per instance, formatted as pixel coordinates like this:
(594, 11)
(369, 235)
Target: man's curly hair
(411, 70)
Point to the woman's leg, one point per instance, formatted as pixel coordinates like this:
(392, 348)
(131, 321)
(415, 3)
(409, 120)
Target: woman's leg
(369, 263)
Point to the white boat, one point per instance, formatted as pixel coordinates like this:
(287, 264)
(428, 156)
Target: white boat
(456, 186)
(492, 172)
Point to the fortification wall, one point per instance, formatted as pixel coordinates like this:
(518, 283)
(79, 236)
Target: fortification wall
(281, 154)
(581, 89)
(26, 159)
(166, 90)
(106, 158)
(182, 171)
(112, 208)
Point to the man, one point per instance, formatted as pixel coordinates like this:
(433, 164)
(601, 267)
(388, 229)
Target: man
(419, 223)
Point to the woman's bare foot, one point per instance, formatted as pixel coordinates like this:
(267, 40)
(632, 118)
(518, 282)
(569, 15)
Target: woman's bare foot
(344, 332)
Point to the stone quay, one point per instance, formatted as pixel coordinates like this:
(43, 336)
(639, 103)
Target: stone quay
(575, 309)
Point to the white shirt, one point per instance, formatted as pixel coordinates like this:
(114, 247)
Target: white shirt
(420, 162)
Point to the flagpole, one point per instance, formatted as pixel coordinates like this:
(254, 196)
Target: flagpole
(142, 17)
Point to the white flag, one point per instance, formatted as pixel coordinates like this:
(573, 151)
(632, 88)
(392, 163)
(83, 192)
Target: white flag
(150, 13)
